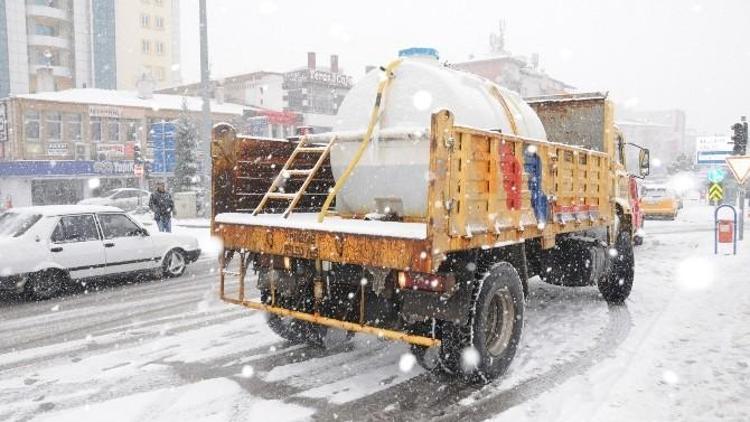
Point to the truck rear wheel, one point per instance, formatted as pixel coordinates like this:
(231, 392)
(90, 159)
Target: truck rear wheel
(299, 332)
(616, 285)
(483, 349)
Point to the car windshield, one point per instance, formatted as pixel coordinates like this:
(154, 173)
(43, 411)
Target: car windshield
(109, 193)
(14, 224)
(654, 193)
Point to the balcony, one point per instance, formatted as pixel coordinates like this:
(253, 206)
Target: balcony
(47, 12)
(58, 71)
(49, 41)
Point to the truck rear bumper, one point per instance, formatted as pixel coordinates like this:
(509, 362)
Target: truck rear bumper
(335, 323)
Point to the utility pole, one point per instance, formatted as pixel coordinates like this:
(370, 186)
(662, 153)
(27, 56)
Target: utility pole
(741, 194)
(205, 135)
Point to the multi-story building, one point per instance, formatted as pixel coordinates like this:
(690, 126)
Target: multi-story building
(280, 103)
(55, 142)
(44, 45)
(663, 132)
(132, 38)
(316, 92)
(513, 72)
(49, 45)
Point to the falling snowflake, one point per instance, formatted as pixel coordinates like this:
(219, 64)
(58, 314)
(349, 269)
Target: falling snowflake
(469, 359)
(695, 273)
(670, 377)
(247, 371)
(422, 100)
(407, 361)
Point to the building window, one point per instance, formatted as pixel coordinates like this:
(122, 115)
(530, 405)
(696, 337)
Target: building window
(159, 73)
(53, 124)
(113, 130)
(131, 130)
(159, 22)
(95, 127)
(47, 30)
(159, 48)
(146, 46)
(145, 21)
(31, 125)
(73, 126)
(159, 2)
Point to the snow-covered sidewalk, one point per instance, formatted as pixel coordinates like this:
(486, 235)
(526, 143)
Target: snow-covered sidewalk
(687, 357)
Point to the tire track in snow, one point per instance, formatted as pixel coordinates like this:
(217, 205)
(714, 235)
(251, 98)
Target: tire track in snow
(431, 397)
(617, 330)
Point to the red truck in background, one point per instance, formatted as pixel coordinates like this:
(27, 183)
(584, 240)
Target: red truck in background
(636, 211)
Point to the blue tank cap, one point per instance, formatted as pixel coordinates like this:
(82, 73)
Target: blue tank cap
(419, 51)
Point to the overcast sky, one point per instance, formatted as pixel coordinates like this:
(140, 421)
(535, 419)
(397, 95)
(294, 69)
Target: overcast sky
(649, 54)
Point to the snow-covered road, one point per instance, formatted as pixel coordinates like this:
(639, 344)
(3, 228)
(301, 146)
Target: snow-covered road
(170, 350)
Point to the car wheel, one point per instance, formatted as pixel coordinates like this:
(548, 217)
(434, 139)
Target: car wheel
(174, 263)
(44, 285)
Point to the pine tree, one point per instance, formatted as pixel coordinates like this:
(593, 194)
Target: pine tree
(186, 146)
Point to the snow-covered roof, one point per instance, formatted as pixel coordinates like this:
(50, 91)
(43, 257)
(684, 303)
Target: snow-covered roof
(50, 210)
(110, 97)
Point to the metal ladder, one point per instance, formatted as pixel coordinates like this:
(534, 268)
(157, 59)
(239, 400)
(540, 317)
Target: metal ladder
(286, 172)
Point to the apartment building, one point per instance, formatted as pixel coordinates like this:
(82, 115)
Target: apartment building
(52, 45)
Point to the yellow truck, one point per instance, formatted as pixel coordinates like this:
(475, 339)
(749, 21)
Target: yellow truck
(658, 201)
(422, 215)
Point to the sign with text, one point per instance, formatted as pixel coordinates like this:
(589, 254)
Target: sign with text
(300, 77)
(108, 112)
(161, 140)
(33, 168)
(57, 149)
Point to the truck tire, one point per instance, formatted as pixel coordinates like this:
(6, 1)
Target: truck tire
(288, 328)
(293, 330)
(616, 285)
(483, 349)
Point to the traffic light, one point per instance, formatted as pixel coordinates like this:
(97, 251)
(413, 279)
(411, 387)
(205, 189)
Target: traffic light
(739, 138)
(137, 156)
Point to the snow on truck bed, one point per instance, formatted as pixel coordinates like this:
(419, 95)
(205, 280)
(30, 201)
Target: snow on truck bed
(309, 221)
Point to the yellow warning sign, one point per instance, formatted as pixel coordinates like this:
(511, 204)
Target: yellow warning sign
(715, 192)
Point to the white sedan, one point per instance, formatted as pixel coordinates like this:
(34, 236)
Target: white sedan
(44, 247)
(128, 199)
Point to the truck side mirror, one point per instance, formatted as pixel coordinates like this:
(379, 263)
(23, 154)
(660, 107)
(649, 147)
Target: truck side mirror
(644, 162)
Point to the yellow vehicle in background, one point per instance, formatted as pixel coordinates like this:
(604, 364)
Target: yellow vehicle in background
(659, 201)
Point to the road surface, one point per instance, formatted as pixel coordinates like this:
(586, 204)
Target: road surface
(679, 349)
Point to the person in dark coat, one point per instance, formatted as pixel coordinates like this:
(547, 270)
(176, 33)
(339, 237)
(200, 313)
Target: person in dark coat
(161, 205)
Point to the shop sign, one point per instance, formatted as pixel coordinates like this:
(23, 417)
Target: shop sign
(113, 167)
(3, 123)
(319, 76)
(107, 112)
(66, 168)
(57, 149)
(106, 148)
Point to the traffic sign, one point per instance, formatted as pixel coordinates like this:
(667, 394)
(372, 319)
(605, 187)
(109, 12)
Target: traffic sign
(716, 175)
(715, 192)
(138, 170)
(740, 166)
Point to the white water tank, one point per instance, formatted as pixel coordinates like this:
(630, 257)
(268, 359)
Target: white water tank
(393, 171)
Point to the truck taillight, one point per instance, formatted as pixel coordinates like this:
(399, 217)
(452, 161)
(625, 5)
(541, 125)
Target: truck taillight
(426, 281)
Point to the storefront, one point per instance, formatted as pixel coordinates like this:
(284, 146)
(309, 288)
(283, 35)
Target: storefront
(47, 182)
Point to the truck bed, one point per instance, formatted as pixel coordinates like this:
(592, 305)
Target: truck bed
(480, 196)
